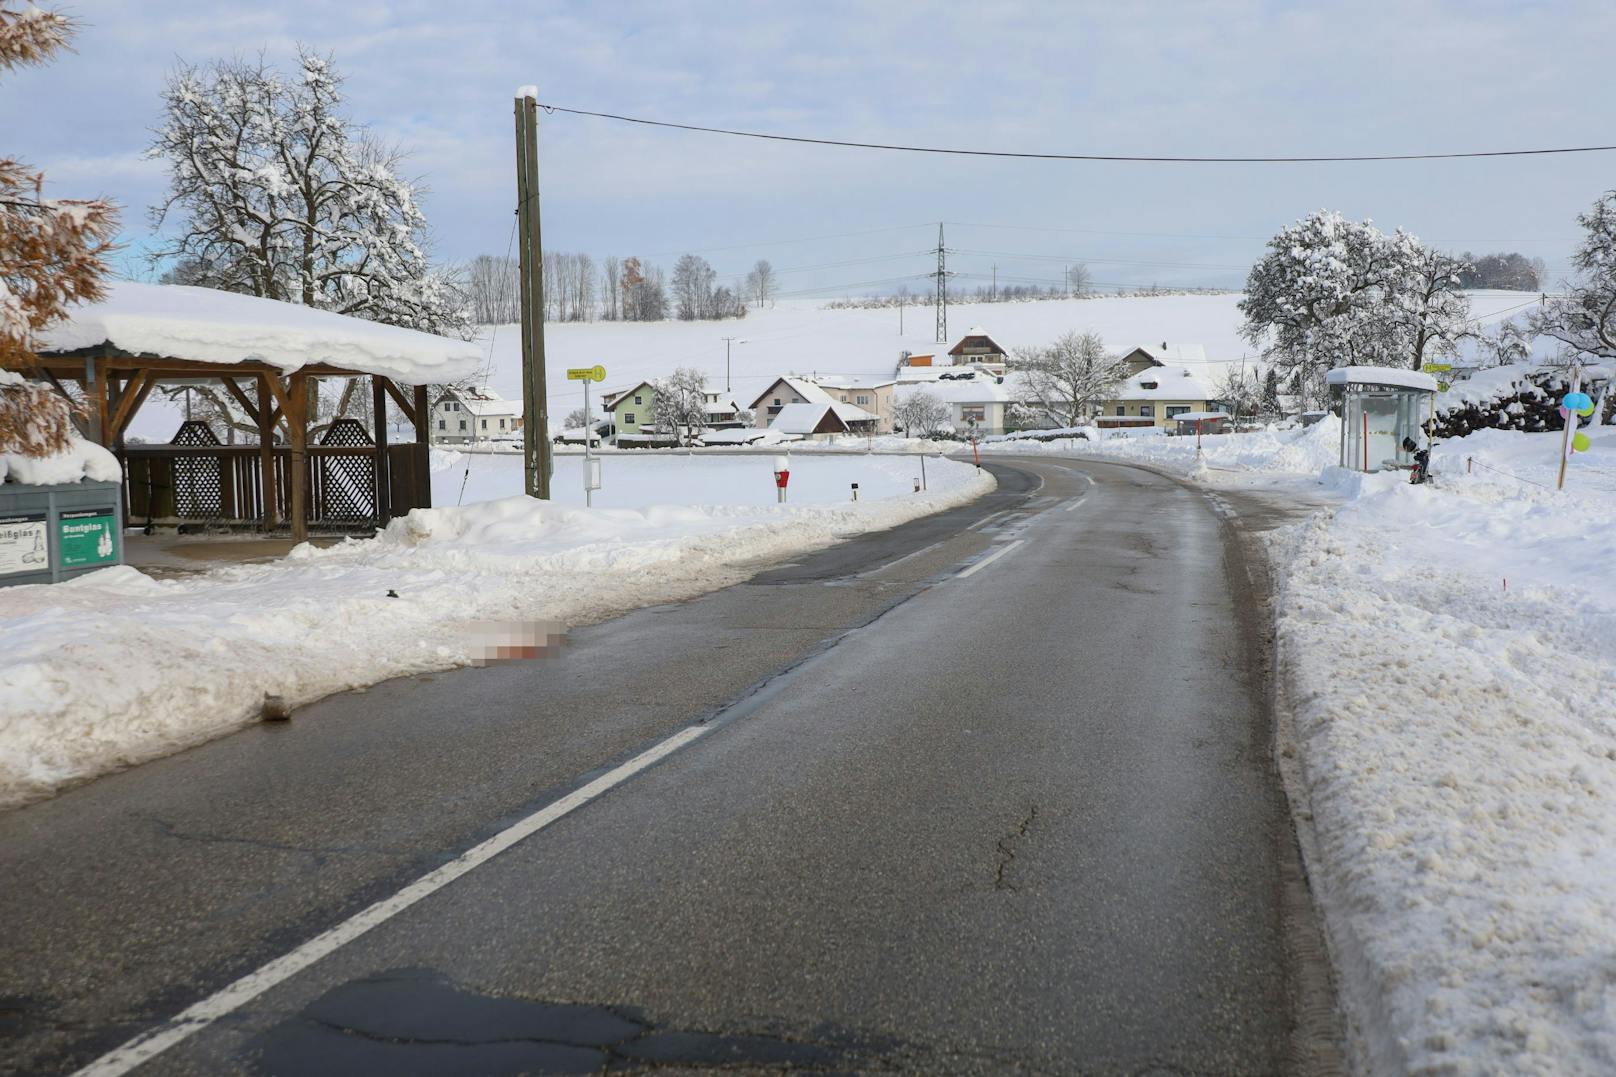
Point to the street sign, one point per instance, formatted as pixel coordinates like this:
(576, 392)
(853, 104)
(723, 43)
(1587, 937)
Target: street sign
(586, 373)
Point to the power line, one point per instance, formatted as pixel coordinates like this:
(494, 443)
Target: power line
(1127, 158)
(785, 242)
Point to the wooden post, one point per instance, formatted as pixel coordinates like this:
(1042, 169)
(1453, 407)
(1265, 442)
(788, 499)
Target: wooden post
(297, 426)
(270, 489)
(378, 404)
(423, 421)
(96, 385)
(1571, 422)
(535, 403)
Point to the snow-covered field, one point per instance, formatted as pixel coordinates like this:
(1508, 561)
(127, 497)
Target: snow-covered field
(799, 335)
(638, 478)
(116, 667)
(1449, 662)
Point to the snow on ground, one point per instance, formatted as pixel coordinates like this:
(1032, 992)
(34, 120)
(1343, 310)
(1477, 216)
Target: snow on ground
(639, 477)
(1454, 735)
(116, 667)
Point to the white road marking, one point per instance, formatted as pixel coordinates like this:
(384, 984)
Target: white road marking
(1074, 503)
(155, 1041)
(988, 560)
(987, 519)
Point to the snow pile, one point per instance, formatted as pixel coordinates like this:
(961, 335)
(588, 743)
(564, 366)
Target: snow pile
(115, 667)
(1450, 654)
(211, 326)
(1293, 450)
(39, 445)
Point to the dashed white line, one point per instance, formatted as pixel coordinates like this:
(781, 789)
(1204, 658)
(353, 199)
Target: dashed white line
(988, 560)
(194, 1019)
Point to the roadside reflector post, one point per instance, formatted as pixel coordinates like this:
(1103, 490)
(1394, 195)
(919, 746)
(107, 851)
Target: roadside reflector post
(782, 475)
(917, 486)
(855, 491)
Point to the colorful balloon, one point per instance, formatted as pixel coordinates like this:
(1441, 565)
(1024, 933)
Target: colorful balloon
(1577, 401)
(1579, 442)
(1587, 411)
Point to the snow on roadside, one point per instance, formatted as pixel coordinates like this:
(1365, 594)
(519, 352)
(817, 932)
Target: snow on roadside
(1457, 740)
(116, 667)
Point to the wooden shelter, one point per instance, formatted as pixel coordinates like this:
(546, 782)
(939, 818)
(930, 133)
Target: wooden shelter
(268, 356)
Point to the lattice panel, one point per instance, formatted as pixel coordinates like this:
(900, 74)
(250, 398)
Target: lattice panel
(346, 484)
(198, 480)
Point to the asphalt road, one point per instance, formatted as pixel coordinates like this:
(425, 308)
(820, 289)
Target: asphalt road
(991, 791)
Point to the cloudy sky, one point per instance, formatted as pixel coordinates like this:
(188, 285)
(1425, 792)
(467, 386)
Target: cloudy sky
(1224, 77)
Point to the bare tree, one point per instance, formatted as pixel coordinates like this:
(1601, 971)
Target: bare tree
(920, 413)
(760, 282)
(491, 287)
(1066, 379)
(611, 288)
(1079, 281)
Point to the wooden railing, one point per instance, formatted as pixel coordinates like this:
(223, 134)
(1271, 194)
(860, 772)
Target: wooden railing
(224, 484)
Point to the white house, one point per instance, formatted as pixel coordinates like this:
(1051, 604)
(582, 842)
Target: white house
(475, 414)
(973, 396)
(784, 391)
(872, 393)
(817, 421)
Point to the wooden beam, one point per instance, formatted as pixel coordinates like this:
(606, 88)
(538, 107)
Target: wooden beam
(278, 389)
(398, 398)
(96, 384)
(129, 402)
(422, 417)
(241, 397)
(266, 412)
(295, 404)
(378, 407)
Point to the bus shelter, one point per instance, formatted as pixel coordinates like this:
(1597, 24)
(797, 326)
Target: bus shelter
(269, 357)
(1384, 411)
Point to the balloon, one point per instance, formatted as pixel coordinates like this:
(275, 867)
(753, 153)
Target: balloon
(1564, 414)
(1589, 410)
(1576, 401)
(1579, 442)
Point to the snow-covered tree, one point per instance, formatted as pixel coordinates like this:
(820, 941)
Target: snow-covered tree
(51, 250)
(1332, 292)
(760, 282)
(919, 413)
(1066, 379)
(1241, 391)
(1585, 318)
(1509, 342)
(274, 192)
(1268, 403)
(680, 403)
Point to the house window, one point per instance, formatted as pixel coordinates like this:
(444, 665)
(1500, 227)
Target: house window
(1148, 410)
(462, 424)
(637, 400)
(628, 418)
(1121, 410)
(776, 401)
(863, 400)
(485, 424)
(1147, 385)
(502, 424)
(442, 425)
(1176, 409)
(969, 413)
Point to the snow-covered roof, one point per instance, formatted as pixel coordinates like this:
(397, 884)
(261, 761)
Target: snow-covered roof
(857, 381)
(977, 388)
(804, 418)
(745, 435)
(976, 331)
(852, 413)
(1381, 375)
(483, 401)
(1179, 354)
(721, 407)
(208, 326)
(1169, 383)
(801, 386)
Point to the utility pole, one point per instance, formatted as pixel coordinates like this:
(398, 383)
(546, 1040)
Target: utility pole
(942, 287)
(536, 461)
(727, 342)
(994, 294)
(900, 315)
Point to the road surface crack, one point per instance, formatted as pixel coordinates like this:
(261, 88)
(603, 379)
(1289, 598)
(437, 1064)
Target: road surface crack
(1007, 847)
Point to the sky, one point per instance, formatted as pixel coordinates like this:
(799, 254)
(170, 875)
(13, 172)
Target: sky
(1223, 77)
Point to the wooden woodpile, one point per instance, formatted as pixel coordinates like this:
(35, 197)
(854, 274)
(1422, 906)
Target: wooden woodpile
(1531, 404)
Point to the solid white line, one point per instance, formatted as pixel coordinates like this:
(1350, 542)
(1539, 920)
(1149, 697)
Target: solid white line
(988, 560)
(984, 521)
(155, 1041)
(1074, 503)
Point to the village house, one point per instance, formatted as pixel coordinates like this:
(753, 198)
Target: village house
(872, 394)
(475, 414)
(976, 399)
(1157, 396)
(821, 420)
(782, 392)
(978, 348)
(631, 410)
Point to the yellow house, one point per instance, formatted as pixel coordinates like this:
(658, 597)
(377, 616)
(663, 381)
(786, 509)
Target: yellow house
(1156, 396)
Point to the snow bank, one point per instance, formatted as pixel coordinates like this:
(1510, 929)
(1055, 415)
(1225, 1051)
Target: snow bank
(1450, 653)
(82, 460)
(116, 667)
(221, 327)
(1295, 450)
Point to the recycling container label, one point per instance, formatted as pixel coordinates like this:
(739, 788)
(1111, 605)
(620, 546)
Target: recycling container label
(88, 537)
(24, 545)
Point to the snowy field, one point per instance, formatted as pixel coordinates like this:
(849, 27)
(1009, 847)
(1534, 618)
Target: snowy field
(1448, 655)
(639, 478)
(801, 336)
(174, 662)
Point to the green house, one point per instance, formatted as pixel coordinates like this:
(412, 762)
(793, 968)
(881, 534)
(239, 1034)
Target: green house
(632, 410)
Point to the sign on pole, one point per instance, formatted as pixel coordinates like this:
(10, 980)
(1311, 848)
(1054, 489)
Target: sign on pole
(586, 373)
